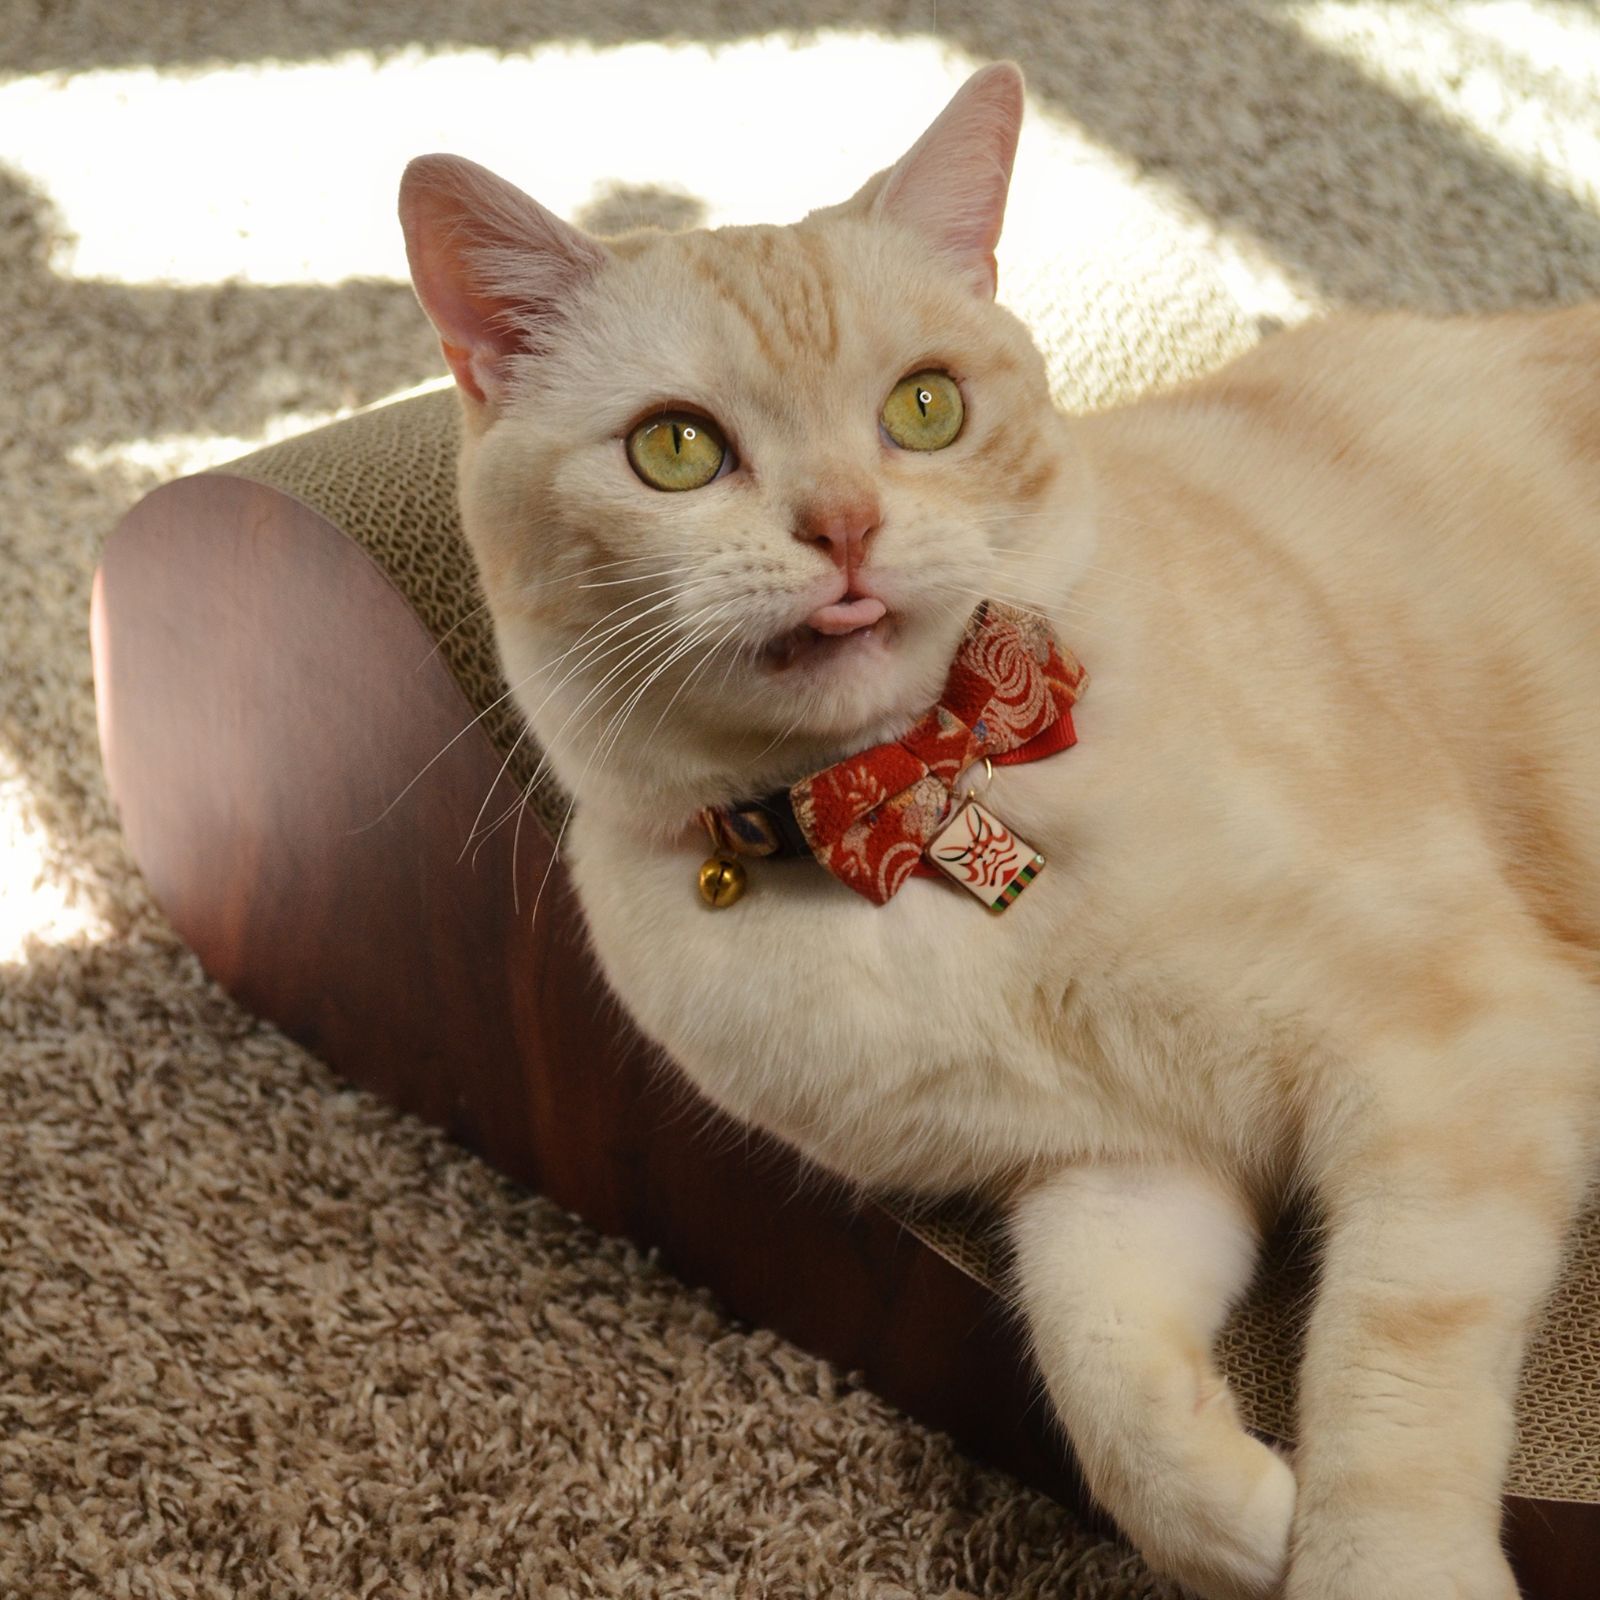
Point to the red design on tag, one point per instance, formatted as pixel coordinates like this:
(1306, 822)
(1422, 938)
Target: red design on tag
(984, 856)
(989, 855)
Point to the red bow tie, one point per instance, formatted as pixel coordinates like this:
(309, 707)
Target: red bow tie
(869, 818)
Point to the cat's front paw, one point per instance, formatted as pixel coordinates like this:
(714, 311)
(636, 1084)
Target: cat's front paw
(1221, 1529)
(1375, 1565)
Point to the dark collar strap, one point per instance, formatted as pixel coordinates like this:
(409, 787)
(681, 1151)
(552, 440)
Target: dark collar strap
(762, 827)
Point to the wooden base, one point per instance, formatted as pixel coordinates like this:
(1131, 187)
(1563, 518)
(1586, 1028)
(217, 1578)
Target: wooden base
(280, 738)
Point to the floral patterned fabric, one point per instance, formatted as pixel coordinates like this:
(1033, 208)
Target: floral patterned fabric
(1009, 697)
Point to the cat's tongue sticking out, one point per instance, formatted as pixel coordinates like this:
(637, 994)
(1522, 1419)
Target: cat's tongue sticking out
(847, 615)
(830, 630)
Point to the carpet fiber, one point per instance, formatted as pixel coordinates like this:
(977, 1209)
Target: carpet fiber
(258, 1335)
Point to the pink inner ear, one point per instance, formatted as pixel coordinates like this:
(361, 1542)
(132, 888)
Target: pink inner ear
(492, 268)
(473, 330)
(951, 185)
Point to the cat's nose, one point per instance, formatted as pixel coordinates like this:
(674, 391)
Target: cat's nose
(840, 528)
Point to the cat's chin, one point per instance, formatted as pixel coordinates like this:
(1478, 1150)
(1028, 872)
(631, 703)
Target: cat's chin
(851, 689)
(855, 687)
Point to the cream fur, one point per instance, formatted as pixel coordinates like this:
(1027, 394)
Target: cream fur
(1322, 908)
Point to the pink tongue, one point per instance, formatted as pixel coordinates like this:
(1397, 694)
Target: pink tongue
(845, 616)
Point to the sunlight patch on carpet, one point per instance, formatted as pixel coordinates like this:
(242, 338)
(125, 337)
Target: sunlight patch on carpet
(286, 173)
(155, 458)
(175, 455)
(1522, 77)
(38, 903)
(1562, 40)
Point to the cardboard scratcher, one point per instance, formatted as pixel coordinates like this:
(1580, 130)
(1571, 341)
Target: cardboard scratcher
(283, 649)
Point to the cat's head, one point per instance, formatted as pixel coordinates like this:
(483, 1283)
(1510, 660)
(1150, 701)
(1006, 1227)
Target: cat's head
(733, 494)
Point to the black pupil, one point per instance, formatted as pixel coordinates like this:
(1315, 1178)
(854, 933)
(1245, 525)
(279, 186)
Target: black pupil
(922, 402)
(677, 440)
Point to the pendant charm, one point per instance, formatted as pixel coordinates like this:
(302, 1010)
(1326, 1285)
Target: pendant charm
(984, 856)
(722, 881)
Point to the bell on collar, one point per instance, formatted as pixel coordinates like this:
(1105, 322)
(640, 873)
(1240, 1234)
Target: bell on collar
(722, 881)
(722, 874)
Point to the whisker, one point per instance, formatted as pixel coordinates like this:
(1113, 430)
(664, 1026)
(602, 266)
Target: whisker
(472, 831)
(438, 644)
(556, 849)
(522, 799)
(498, 699)
(709, 655)
(598, 654)
(735, 656)
(594, 654)
(641, 646)
(506, 694)
(544, 761)
(777, 739)
(671, 590)
(598, 566)
(674, 653)
(641, 577)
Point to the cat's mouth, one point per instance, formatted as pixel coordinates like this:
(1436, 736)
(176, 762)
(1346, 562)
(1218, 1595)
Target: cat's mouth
(843, 627)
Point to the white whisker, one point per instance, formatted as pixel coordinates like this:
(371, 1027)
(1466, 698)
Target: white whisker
(472, 831)
(675, 653)
(599, 566)
(640, 647)
(730, 632)
(461, 622)
(449, 744)
(499, 699)
(560, 836)
(641, 577)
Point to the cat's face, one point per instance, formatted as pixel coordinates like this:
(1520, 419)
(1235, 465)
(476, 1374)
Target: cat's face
(734, 494)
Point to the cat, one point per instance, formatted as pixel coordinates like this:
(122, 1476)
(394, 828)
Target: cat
(1319, 912)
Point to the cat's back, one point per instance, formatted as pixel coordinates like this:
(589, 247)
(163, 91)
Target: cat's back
(1380, 536)
(1438, 449)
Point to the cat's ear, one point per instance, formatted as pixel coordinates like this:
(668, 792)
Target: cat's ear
(951, 185)
(492, 268)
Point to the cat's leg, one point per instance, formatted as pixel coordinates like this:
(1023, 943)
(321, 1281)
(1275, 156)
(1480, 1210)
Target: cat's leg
(1125, 1274)
(1448, 1193)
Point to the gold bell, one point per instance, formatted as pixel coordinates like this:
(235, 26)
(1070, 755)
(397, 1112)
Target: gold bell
(722, 881)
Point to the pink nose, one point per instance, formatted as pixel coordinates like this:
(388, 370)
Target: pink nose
(841, 529)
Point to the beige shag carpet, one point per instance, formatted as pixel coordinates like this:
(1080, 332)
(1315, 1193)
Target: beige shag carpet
(258, 1335)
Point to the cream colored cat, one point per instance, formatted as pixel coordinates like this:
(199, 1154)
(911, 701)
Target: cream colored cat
(1322, 902)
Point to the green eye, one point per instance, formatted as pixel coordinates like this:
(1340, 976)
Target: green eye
(676, 451)
(924, 411)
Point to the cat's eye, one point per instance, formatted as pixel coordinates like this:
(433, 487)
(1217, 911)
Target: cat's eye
(675, 450)
(924, 411)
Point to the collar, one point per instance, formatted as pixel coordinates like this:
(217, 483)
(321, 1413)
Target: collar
(889, 812)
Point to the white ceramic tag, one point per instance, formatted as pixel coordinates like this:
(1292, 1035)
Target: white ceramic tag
(984, 856)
